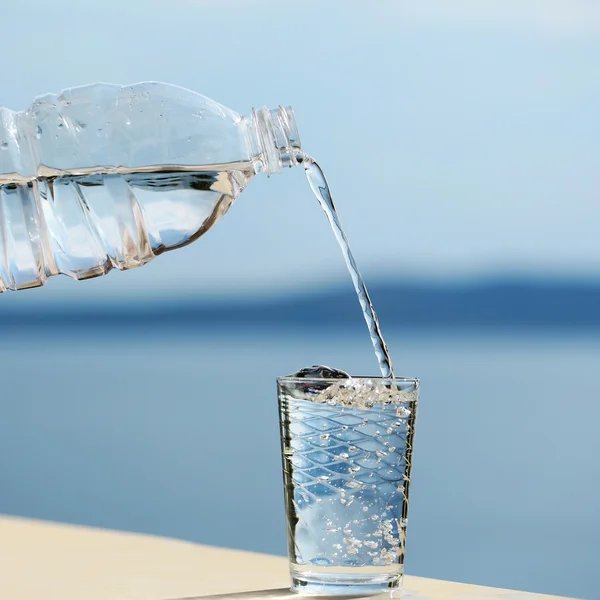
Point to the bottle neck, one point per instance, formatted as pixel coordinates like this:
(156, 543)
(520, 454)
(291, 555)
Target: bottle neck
(275, 139)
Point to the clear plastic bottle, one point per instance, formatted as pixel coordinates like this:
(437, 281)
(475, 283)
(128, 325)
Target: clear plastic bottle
(104, 176)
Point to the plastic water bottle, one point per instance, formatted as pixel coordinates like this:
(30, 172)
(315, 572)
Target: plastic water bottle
(104, 176)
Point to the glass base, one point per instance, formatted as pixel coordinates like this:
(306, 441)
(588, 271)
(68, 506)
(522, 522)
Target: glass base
(345, 581)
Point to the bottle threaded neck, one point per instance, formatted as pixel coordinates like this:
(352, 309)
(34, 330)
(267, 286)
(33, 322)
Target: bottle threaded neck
(278, 139)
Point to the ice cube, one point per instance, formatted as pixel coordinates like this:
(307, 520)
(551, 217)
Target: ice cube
(320, 372)
(310, 390)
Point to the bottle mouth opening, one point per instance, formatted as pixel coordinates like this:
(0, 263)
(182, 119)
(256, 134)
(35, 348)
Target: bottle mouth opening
(278, 138)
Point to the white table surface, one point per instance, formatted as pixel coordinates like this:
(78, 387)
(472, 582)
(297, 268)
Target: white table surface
(49, 561)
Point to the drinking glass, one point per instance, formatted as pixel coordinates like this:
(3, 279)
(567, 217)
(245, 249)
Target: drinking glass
(347, 447)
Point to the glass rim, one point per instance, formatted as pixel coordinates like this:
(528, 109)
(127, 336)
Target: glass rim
(291, 379)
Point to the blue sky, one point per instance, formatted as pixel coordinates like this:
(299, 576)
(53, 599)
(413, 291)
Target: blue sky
(460, 138)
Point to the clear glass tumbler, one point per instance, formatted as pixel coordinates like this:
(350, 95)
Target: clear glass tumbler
(347, 446)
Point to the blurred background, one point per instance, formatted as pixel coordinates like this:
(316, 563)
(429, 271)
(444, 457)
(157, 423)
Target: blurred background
(461, 140)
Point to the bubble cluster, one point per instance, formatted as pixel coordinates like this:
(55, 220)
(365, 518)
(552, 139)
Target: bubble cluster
(365, 394)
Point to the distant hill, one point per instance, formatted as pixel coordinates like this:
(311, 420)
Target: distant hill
(492, 304)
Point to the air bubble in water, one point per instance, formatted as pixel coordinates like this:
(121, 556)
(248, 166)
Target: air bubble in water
(403, 412)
